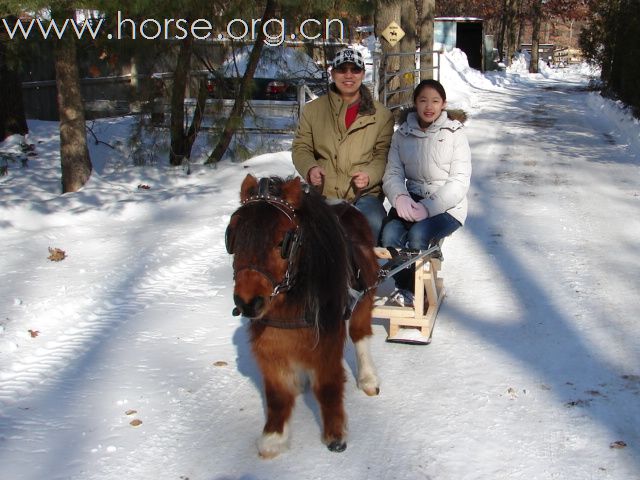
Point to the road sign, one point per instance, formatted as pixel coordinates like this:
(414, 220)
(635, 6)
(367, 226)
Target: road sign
(393, 33)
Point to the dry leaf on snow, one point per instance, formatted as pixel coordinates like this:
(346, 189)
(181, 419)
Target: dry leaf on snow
(55, 254)
(618, 444)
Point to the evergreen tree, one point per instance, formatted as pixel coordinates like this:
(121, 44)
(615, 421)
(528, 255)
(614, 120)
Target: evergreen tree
(612, 41)
(12, 115)
(74, 154)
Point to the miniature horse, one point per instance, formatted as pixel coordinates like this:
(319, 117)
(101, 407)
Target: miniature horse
(295, 260)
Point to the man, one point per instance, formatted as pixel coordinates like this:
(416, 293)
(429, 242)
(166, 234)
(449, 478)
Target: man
(343, 138)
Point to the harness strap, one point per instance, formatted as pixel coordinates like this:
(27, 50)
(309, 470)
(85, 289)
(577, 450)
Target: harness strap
(268, 322)
(278, 288)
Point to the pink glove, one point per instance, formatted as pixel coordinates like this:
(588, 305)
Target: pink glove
(404, 206)
(419, 211)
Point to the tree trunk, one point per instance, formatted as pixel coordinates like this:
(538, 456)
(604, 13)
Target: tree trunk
(12, 116)
(237, 112)
(74, 154)
(178, 150)
(408, 46)
(426, 14)
(198, 115)
(386, 12)
(536, 20)
(500, 42)
(522, 23)
(511, 17)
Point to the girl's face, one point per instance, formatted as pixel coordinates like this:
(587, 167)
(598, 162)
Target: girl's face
(429, 105)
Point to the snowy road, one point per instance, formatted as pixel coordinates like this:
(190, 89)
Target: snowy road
(533, 372)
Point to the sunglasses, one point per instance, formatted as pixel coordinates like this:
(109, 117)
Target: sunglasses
(343, 69)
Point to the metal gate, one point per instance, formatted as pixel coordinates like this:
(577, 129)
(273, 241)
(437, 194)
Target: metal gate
(390, 91)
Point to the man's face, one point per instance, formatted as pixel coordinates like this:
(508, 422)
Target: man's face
(348, 78)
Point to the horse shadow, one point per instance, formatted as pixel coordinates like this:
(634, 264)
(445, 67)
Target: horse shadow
(245, 361)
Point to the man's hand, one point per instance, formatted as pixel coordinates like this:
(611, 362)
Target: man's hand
(360, 180)
(316, 176)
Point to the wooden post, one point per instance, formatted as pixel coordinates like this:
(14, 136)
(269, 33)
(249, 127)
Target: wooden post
(423, 313)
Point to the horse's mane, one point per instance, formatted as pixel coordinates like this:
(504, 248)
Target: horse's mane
(324, 265)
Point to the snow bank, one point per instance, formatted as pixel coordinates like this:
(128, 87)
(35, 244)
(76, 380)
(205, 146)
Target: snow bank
(627, 127)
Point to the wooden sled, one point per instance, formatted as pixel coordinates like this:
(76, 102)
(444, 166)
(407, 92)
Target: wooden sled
(415, 324)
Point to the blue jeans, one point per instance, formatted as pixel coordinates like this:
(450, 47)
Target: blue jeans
(400, 233)
(372, 208)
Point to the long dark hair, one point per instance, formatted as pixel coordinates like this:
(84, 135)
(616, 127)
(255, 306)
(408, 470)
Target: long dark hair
(436, 85)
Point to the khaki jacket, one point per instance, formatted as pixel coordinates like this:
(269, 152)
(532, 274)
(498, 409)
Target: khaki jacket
(322, 140)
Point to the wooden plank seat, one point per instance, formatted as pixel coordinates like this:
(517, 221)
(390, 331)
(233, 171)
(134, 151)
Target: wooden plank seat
(429, 292)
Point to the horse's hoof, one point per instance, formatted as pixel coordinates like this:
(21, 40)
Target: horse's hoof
(337, 446)
(372, 392)
(268, 455)
(369, 385)
(270, 445)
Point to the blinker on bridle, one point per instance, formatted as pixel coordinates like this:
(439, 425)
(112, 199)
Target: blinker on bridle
(290, 243)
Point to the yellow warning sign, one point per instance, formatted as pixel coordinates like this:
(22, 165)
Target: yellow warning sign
(393, 33)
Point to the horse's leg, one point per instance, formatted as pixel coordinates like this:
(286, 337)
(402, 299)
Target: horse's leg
(280, 393)
(360, 333)
(328, 386)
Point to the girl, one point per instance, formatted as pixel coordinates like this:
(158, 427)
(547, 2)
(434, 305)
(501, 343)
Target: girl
(426, 178)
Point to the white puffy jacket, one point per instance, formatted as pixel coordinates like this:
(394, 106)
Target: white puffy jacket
(434, 164)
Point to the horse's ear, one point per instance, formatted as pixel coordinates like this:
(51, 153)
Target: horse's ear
(292, 192)
(249, 187)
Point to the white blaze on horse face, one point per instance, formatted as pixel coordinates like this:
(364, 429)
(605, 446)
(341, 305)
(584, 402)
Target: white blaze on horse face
(271, 445)
(367, 378)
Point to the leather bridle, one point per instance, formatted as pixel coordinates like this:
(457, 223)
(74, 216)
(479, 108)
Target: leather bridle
(290, 245)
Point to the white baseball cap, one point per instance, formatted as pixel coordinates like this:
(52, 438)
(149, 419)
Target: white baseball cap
(348, 55)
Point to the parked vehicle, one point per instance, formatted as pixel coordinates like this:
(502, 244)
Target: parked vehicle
(279, 72)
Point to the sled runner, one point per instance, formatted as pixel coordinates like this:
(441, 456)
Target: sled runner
(413, 324)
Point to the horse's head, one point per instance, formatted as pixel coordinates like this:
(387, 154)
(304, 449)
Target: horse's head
(264, 237)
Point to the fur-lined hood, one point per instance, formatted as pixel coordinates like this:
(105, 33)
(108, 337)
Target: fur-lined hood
(449, 119)
(323, 139)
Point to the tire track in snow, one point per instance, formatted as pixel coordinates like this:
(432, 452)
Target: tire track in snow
(184, 264)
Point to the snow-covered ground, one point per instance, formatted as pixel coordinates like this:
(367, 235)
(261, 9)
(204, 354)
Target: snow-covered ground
(533, 372)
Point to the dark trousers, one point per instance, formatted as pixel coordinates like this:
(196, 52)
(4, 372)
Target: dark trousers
(400, 233)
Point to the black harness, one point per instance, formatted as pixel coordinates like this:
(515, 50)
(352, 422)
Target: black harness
(289, 251)
(290, 243)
